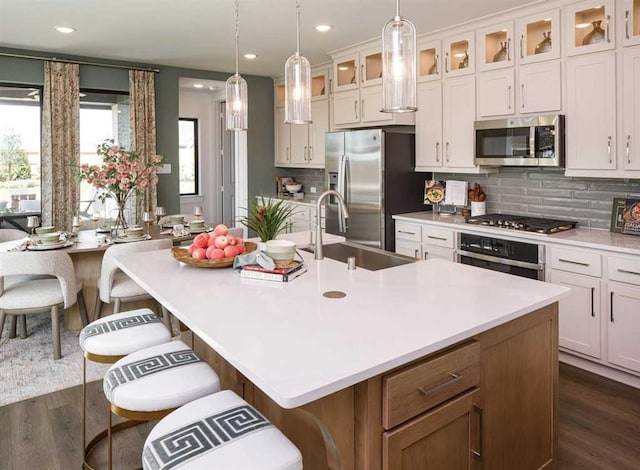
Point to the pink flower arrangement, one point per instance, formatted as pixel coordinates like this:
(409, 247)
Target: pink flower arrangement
(122, 172)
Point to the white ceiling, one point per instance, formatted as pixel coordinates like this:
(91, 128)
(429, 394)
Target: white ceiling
(199, 33)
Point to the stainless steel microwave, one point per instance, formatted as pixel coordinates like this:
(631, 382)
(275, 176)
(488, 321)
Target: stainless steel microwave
(520, 141)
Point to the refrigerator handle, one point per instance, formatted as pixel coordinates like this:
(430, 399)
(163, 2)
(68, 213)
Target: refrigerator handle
(342, 179)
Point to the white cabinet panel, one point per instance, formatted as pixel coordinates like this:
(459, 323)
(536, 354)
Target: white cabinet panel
(624, 325)
(630, 13)
(459, 113)
(371, 104)
(539, 36)
(429, 125)
(283, 140)
(631, 107)
(539, 87)
(346, 107)
(495, 93)
(589, 26)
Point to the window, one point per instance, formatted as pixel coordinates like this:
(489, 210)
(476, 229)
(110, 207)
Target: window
(103, 115)
(20, 111)
(188, 144)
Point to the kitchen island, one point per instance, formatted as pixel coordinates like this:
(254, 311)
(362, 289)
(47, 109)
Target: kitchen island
(361, 381)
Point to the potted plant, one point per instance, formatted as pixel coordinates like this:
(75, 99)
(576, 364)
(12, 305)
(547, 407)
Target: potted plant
(267, 217)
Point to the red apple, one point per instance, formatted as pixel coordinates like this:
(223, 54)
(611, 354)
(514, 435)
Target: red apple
(191, 248)
(215, 253)
(201, 240)
(212, 241)
(199, 253)
(241, 249)
(220, 229)
(239, 241)
(221, 242)
(231, 251)
(231, 239)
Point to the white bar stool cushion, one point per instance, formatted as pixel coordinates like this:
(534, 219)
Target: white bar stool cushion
(240, 439)
(124, 333)
(159, 378)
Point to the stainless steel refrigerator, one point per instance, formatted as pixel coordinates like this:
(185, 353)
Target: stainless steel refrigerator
(374, 171)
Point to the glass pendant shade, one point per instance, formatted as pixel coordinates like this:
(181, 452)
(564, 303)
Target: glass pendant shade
(237, 108)
(297, 90)
(399, 66)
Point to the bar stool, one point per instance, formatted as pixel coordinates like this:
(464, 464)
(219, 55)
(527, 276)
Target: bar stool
(220, 431)
(108, 340)
(151, 383)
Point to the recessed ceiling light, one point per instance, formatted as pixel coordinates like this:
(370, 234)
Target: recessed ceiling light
(323, 28)
(64, 29)
(198, 85)
(250, 56)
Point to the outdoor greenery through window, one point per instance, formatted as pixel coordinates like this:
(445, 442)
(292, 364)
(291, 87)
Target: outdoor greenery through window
(103, 115)
(20, 148)
(188, 144)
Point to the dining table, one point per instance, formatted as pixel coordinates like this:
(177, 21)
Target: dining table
(86, 249)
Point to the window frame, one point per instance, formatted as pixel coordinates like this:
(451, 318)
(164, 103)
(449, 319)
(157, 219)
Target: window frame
(196, 156)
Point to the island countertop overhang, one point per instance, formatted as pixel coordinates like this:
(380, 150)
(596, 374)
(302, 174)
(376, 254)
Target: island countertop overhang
(298, 346)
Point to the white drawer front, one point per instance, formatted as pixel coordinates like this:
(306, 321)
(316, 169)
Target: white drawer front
(408, 231)
(575, 261)
(438, 237)
(430, 252)
(408, 248)
(624, 270)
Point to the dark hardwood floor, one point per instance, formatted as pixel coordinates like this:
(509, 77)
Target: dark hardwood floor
(599, 428)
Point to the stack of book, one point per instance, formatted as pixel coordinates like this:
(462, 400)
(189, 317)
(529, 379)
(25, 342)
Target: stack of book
(285, 274)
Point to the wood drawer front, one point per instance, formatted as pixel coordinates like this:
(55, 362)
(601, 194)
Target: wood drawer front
(420, 387)
(438, 237)
(581, 262)
(624, 270)
(408, 231)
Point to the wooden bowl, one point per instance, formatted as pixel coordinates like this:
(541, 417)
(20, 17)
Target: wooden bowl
(182, 255)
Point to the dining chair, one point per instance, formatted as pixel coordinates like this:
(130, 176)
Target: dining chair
(21, 294)
(115, 286)
(9, 234)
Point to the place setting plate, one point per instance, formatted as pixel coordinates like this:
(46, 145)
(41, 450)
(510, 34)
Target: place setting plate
(50, 246)
(130, 239)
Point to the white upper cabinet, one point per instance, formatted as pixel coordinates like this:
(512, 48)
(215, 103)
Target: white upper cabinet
(631, 107)
(459, 113)
(630, 13)
(538, 37)
(495, 46)
(459, 54)
(429, 126)
(591, 112)
(539, 88)
(496, 93)
(429, 60)
(589, 26)
(346, 73)
(371, 67)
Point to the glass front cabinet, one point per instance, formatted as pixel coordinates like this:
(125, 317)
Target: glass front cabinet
(459, 54)
(495, 46)
(589, 26)
(538, 37)
(429, 61)
(631, 20)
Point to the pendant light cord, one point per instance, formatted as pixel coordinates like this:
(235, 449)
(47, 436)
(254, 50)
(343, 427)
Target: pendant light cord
(397, 8)
(298, 27)
(237, 38)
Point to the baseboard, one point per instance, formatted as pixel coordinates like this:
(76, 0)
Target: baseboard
(608, 372)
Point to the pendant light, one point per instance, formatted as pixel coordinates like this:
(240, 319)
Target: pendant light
(297, 83)
(398, 65)
(237, 108)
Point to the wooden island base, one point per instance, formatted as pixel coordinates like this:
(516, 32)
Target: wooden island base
(489, 402)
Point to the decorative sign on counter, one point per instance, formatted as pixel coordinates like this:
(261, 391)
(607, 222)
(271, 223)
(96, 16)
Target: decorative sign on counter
(433, 192)
(625, 216)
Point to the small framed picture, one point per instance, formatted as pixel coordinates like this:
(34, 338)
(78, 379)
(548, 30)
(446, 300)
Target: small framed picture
(625, 216)
(616, 214)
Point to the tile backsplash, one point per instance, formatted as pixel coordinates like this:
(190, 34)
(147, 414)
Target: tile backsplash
(546, 192)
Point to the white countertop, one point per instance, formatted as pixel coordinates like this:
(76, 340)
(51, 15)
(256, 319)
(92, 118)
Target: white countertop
(298, 346)
(583, 237)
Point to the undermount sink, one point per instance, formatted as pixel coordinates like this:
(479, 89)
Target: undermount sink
(366, 257)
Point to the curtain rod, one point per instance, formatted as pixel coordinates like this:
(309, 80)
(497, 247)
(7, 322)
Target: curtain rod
(79, 62)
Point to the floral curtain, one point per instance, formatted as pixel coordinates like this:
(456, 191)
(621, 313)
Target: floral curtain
(143, 131)
(60, 143)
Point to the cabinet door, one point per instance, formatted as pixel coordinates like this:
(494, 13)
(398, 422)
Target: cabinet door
(495, 93)
(429, 61)
(589, 26)
(317, 130)
(579, 315)
(371, 103)
(371, 67)
(459, 54)
(408, 248)
(320, 84)
(631, 100)
(346, 73)
(431, 252)
(429, 125)
(539, 87)
(539, 37)
(624, 325)
(299, 144)
(459, 113)
(283, 142)
(495, 46)
(346, 107)
(591, 104)
(631, 20)
(446, 438)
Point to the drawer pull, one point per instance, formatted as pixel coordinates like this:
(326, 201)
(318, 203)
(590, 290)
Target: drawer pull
(611, 307)
(455, 376)
(562, 260)
(405, 232)
(626, 271)
(436, 238)
(478, 453)
(593, 309)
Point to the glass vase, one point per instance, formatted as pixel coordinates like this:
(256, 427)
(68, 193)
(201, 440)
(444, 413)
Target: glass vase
(120, 219)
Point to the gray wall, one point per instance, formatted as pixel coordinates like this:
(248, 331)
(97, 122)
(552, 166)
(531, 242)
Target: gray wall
(548, 193)
(259, 136)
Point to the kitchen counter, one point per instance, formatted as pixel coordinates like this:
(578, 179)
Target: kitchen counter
(584, 237)
(298, 346)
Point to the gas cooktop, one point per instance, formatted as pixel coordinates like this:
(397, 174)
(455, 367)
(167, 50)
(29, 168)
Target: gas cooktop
(523, 223)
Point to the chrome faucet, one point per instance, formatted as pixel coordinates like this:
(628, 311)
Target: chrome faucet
(344, 215)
